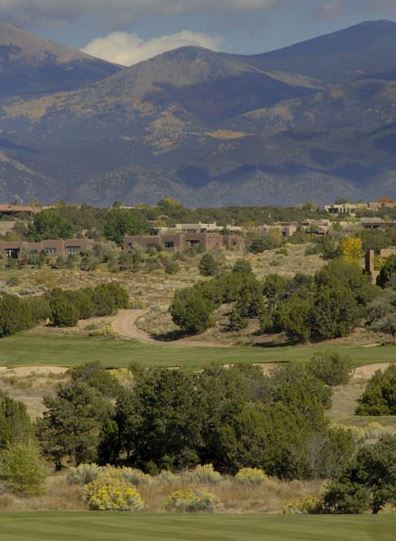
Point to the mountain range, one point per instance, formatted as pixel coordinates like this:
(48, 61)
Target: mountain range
(314, 121)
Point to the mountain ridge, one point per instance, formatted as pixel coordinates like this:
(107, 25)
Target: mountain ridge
(211, 128)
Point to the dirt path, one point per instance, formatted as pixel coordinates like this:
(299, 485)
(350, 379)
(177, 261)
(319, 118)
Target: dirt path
(125, 326)
(366, 372)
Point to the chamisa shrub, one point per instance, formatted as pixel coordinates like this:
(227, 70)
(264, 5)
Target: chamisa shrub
(112, 494)
(191, 501)
(307, 505)
(251, 476)
(205, 474)
(83, 474)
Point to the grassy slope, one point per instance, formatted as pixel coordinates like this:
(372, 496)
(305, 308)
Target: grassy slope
(120, 527)
(25, 350)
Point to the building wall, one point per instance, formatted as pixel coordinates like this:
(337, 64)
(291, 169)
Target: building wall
(53, 248)
(372, 257)
(183, 241)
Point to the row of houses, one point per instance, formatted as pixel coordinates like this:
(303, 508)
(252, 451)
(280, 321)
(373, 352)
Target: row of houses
(53, 248)
(350, 209)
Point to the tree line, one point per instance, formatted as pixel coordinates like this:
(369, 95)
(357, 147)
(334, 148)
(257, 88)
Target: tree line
(63, 308)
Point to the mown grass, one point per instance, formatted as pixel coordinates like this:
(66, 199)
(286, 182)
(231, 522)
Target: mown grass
(149, 527)
(29, 350)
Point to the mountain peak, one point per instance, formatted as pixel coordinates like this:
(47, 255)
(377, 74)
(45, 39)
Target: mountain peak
(30, 64)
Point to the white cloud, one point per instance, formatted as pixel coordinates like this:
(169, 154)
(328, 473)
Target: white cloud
(128, 49)
(116, 12)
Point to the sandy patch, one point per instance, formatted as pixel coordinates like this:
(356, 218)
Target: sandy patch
(43, 371)
(368, 371)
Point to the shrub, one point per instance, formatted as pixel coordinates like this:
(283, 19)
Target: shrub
(379, 398)
(208, 266)
(132, 476)
(64, 313)
(191, 501)
(107, 494)
(307, 505)
(191, 311)
(251, 476)
(331, 367)
(206, 474)
(346, 498)
(22, 469)
(83, 474)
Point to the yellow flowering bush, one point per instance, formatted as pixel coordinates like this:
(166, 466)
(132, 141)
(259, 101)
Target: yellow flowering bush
(205, 474)
(191, 501)
(306, 506)
(107, 494)
(251, 476)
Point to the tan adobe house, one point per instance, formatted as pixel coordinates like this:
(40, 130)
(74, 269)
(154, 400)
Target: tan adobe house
(182, 241)
(374, 259)
(53, 248)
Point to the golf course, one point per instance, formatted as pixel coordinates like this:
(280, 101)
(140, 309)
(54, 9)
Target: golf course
(40, 350)
(147, 527)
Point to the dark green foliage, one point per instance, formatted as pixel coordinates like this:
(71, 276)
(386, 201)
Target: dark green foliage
(269, 242)
(379, 398)
(332, 368)
(121, 222)
(237, 320)
(160, 421)
(242, 266)
(232, 418)
(339, 273)
(63, 312)
(208, 265)
(49, 225)
(96, 376)
(335, 313)
(191, 311)
(368, 482)
(388, 272)
(346, 498)
(381, 313)
(295, 317)
(72, 423)
(68, 306)
(15, 425)
(14, 316)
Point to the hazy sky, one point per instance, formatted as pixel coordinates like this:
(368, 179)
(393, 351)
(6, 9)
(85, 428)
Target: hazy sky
(127, 31)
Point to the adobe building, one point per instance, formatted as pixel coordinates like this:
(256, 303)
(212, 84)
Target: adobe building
(374, 260)
(53, 248)
(183, 241)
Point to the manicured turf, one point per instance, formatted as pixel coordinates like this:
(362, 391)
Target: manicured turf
(25, 350)
(126, 527)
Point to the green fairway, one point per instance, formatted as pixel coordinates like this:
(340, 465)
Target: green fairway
(25, 350)
(123, 527)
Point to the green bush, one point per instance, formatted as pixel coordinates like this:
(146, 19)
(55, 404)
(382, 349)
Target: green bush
(332, 368)
(64, 313)
(109, 494)
(251, 476)
(208, 266)
(191, 311)
(191, 501)
(379, 398)
(22, 469)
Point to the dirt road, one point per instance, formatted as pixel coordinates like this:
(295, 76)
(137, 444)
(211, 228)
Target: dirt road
(125, 326)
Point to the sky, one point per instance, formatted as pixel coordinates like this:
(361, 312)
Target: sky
(129, 31)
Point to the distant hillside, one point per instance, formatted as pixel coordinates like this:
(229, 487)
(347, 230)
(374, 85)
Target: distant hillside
(364, 50)
(30, 65)
(215, 129)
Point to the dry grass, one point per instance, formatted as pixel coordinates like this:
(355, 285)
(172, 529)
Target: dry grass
(235, 497)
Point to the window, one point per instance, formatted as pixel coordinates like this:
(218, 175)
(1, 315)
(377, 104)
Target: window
(73, 250)
(169, 244)
(50, 251)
